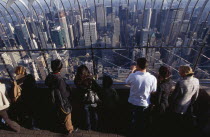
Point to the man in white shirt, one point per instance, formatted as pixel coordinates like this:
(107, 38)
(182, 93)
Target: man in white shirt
(142, 84)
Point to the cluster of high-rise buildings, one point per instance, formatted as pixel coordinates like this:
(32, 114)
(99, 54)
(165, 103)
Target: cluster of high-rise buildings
(122, 29)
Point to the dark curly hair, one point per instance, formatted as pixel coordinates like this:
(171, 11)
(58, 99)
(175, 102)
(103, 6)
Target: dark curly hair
(164, 72)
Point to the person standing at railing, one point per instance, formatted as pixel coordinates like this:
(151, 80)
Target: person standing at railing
(110, 102)
(160, 102)
(142, 85)
(60, 94)
(183, 97)
(164, 89)
(89, 91)
(4, 105)
(23, 106)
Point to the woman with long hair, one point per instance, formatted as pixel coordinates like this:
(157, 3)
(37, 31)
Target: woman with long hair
(89, 90)
(161, 101)
(164, 88)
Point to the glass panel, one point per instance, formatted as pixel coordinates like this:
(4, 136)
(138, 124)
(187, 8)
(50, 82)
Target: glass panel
(106, 35)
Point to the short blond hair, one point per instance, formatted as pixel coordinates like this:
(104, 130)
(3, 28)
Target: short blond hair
(186, 70)
(20, 70)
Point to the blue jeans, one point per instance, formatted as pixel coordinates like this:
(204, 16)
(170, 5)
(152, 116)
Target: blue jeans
(91, 117)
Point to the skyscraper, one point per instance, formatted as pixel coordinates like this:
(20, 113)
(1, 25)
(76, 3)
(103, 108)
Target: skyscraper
(25, 31)
(43, 39)
(153, 18)
(116, 35)
(11, 28)
(71, 35)
(109, 10)
(87, 13)
(123, 15)
(1, 29)
(101, 16)
(184, 26)
(33, 42)
(78, 29)
(90, 34)
(172, 15)
(57, 37)
(41, 67)
(147, 18)
(144, 36)
(21, 36)
(34, 71)
(64, 27)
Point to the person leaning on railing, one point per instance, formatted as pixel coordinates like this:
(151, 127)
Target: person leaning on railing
(186, 91)
(60, 97)
(23, 108)
(142, 85)
(164, 89)
(159, 100)
(183, 97)
(90, 93)
(110, 103)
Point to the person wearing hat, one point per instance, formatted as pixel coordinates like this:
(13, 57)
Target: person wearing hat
(60, 97)
(186, 90)
(183, 97)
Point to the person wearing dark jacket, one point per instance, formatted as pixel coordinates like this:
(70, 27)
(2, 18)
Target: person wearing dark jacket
(164, 89)
(110, 101)
(160, 101)
(89, 91)
(59, 96)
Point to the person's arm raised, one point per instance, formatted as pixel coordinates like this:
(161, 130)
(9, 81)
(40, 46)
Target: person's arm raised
(128, 79)
(133, 69)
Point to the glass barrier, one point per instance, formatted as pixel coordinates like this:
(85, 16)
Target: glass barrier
(105, 35)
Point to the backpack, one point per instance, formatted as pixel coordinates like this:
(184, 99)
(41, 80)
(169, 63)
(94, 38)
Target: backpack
(16, 91)
(91, 97)
(64, 104)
